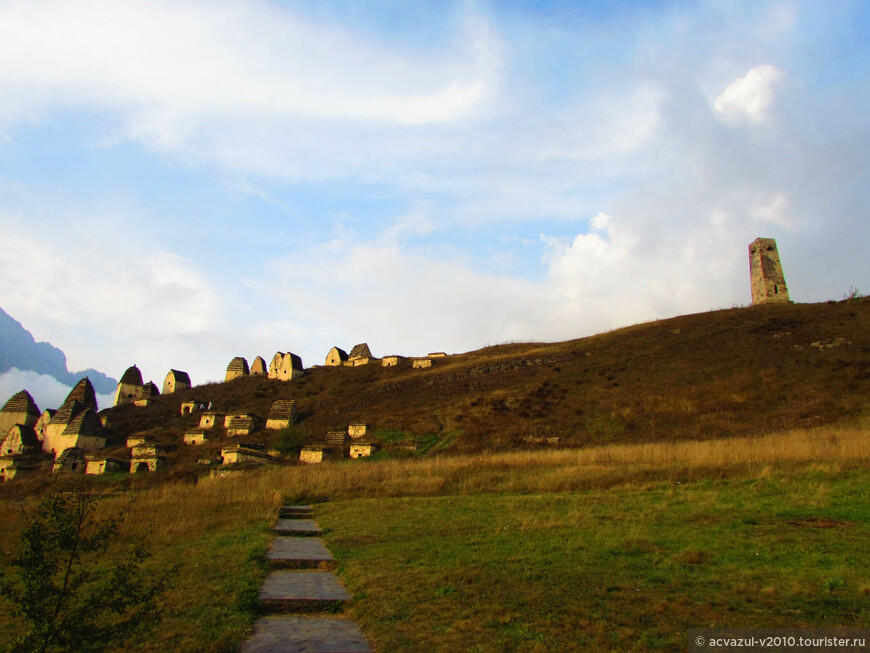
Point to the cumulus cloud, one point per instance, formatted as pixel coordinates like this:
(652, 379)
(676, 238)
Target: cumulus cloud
(748, 98)
(122, 289)
(405, 300)
(46, 391)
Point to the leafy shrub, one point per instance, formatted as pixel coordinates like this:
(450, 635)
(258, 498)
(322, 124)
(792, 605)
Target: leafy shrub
(69, 594)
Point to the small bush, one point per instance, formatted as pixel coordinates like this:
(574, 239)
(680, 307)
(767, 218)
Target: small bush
(853, 293)
(68, 594)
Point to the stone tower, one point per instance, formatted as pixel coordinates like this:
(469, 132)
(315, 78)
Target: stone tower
(765, 273)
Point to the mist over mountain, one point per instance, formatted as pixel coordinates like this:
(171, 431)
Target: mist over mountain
(19, 350)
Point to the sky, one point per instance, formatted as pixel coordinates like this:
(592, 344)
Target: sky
(184, 182)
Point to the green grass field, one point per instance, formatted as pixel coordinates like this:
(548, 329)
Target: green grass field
(628, 569)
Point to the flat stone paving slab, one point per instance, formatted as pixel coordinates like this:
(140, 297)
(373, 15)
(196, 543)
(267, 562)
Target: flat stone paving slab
(306, 635)
(297, 527)
(302, 590)
(296, 511)
(298, 552)
(296, 515)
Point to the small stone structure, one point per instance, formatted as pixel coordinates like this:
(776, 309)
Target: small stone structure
(147, 395)
(129, 387)
(336, 357)
(420, 363)
(195, 436)
(189, 407)
(356, 430)
(360, 351)
(106, 465)
(237, 367)
(137, 440)
(20, 440)
(70, 460)
(229, 417)
(70, 409)
(258, 367)
(285, 367)
(246, 453)
(391, 361)
(437, 354)
(359, 355)
(209, 419)
(336, 439)
(281, 415)
(19, 409)
(241, 425)
(43, 422)
(83, 431)
(313, 454)
(146, 458)
(362, 449)
(175, 381)
(14, 467)
(765, 273)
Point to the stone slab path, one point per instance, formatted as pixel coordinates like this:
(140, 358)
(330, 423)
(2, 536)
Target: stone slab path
(296, 512)
(302, 590)
(306, 635)
(299, 553)
(306, 590)
(299, 527)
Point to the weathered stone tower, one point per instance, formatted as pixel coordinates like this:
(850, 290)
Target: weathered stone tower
(765, 273)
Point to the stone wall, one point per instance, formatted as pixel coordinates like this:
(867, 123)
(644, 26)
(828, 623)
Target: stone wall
(195, 437)
(356, 430)
(106, 466)
(245, 454)
(360, 450)
(151, 464)
(189, 407)
(312, 455)
(209, 419)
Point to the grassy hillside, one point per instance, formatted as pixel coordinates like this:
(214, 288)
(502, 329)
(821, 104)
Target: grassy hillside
(614, 548)
(710, 375)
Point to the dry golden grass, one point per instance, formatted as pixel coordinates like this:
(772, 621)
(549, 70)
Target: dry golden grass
(218, 504)
(525, 471)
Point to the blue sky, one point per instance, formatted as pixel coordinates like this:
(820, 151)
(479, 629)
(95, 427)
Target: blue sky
(184, 182)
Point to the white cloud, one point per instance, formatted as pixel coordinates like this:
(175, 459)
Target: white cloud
(410, 224)
(748, 98)
(612, 123)
(172, 64)
(84, 274)
(46, 391)
(772, 208)
(410, 301)
(476, 132)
